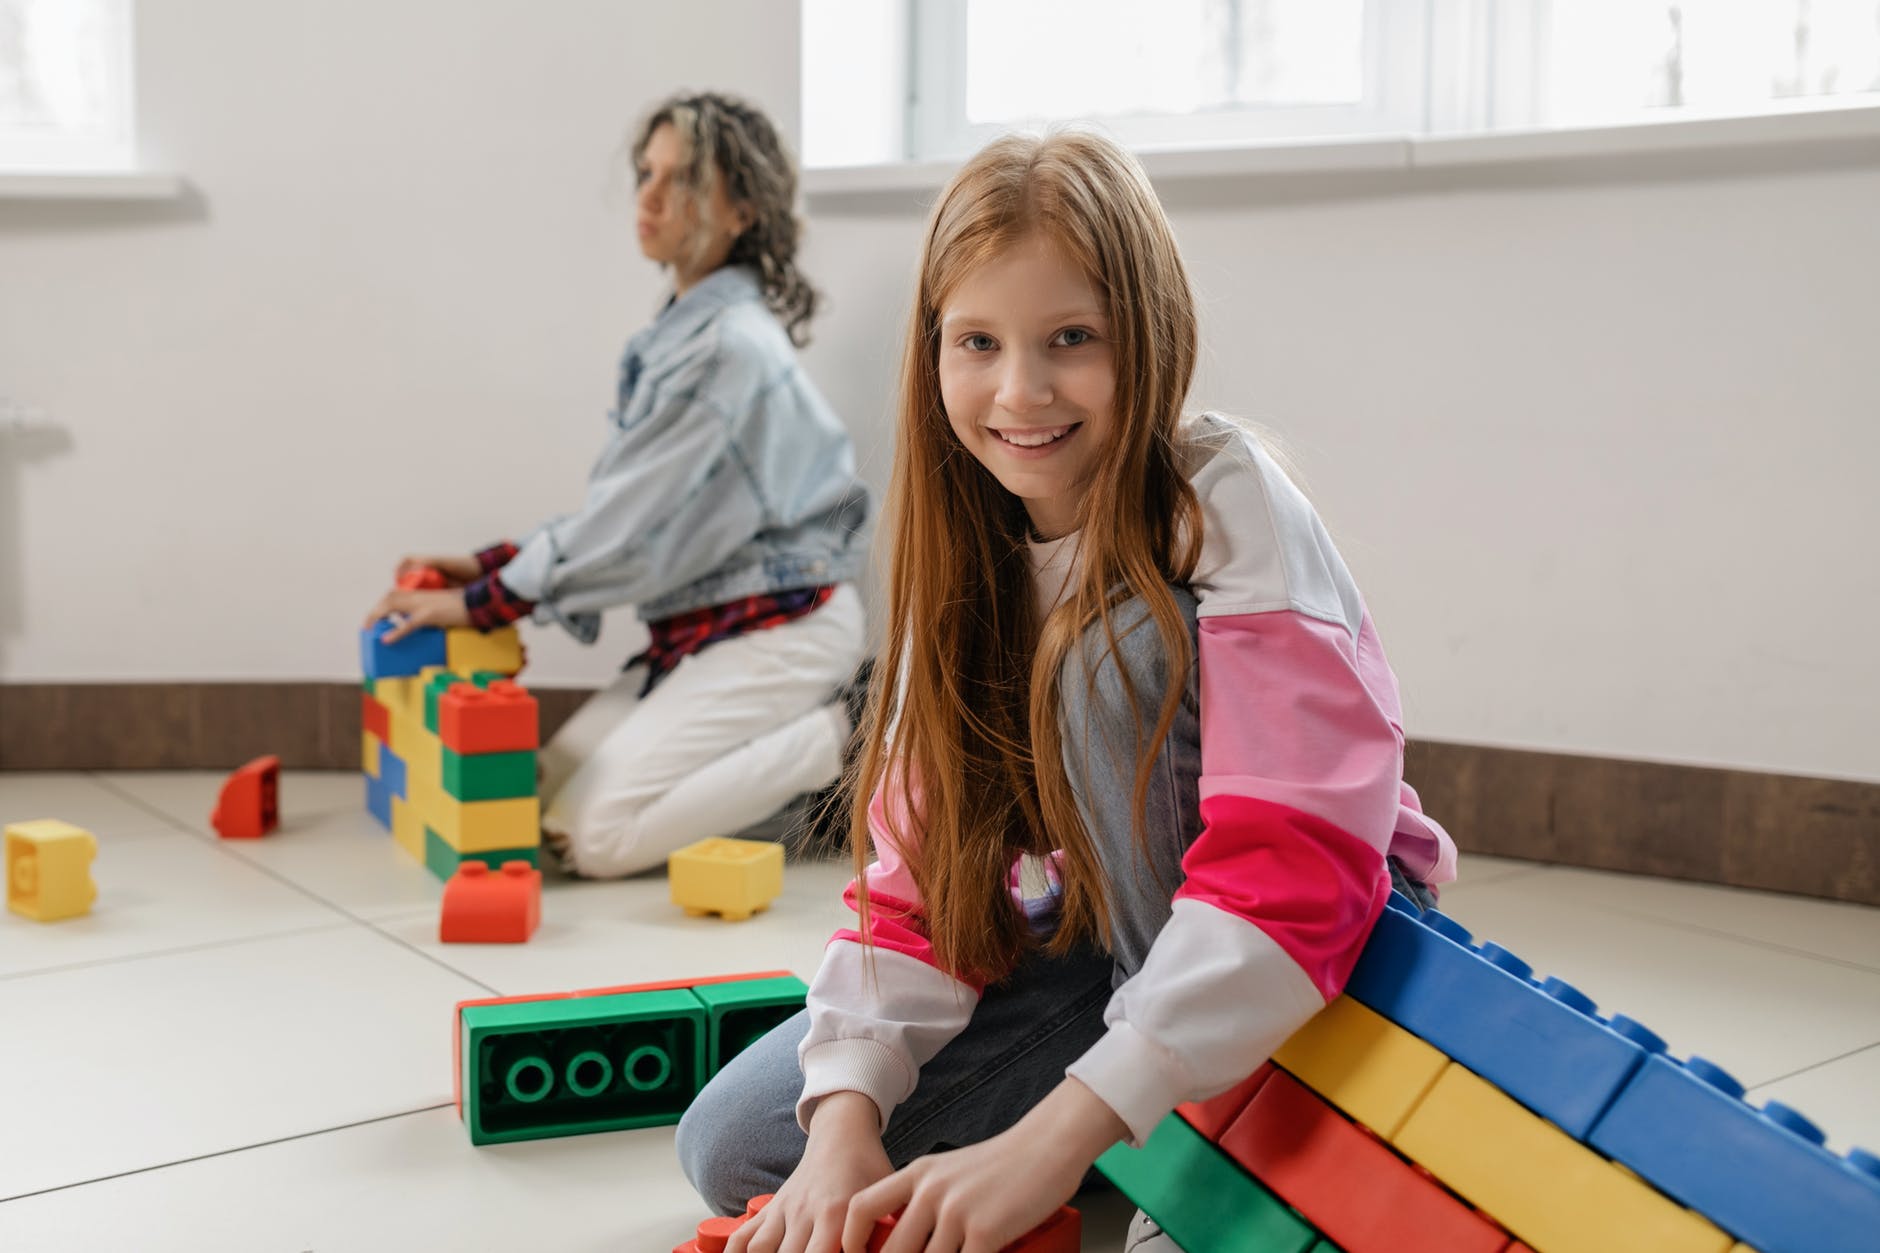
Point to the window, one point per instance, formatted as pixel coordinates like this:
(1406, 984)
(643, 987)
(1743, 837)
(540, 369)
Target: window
(65, 85)
(933, 79)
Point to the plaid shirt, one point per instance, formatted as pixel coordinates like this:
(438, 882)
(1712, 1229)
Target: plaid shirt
(490, 602)
(678, 637)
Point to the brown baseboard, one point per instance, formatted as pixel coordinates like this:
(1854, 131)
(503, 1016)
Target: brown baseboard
(1743, 828)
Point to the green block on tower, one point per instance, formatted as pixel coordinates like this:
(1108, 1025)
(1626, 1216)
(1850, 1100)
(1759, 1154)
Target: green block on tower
(442, 860)
(742, 1012)
(1202, 1197)
(489, 776)
(371, 686)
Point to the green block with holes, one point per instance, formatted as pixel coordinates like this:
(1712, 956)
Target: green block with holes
(442, 860)
(488, 776)
(565, 1067)
(740, 1013)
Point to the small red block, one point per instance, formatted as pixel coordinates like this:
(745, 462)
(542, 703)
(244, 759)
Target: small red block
(484, 908)
(423, 579)
(501, 718)
(249, 806)
(375, 717)
(1063, 1232)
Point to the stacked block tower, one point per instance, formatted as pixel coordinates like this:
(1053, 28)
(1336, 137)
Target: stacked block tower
(1450, 1102)
(449, 746)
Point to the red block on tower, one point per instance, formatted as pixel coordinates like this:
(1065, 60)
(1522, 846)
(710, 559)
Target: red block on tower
(500, 718)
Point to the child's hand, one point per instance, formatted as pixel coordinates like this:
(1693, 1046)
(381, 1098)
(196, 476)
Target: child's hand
(456, 570)
(843, 1157)
(419, 609)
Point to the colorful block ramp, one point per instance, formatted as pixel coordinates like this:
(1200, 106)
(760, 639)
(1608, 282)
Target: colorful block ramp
(606, 1059)
(1452, 1101)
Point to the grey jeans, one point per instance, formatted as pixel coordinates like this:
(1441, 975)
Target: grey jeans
(740, 1137)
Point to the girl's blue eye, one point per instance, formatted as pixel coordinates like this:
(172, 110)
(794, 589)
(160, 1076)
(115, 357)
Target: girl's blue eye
(1074, 336)
(979, 343)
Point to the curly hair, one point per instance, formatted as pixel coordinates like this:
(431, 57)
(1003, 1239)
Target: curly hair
(727, 138)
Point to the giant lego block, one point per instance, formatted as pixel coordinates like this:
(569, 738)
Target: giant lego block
(369, 753)
(481, 907)
(1212, 1116)
(1060, 1233)
(1541, 1043)
(249, 804)
(1763, 1175)
(1200, 1197)
(487, 776)
(500, 718)
(567, 1067)
(467, 650)
(444, 861)
(48, 869)
(1361, 1062)
(482, 826)
(392, 772)
(379, 801)
(374, 716)
(1345, 1181)
(437, 681)
(730, 877)
(407, 827)
(380, 660)
(1540, 1183)
(740, 1013)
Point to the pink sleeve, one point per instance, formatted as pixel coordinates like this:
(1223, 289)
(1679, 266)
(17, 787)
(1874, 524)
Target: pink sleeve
(1301, 782)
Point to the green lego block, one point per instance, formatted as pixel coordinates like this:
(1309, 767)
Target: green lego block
(740, 1013)
(488, 776)
(570, 1066)
(371, 686)
(439, 684)
(442, 860)
(1202, 1198)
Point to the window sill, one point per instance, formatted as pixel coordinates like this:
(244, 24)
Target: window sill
(73, 185)
(1405, 153)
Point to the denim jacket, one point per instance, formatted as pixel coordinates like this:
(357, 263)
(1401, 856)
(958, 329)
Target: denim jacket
(725, 474)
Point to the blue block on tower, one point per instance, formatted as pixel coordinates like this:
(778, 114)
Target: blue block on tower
(379, 801)
(379, 660)
(1540, 1042)
(392, 774)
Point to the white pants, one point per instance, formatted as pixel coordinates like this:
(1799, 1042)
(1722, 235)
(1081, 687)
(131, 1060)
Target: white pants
(724, 741)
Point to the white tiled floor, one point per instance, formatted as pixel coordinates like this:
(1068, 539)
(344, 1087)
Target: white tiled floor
(245, 1045)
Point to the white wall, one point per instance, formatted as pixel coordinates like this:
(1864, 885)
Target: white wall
(1600, 442)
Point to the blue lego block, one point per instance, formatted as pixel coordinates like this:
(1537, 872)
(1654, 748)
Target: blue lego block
(1762, 1175)
(1540, 1042)
(393, 774)
(379, 660)
(379, 801)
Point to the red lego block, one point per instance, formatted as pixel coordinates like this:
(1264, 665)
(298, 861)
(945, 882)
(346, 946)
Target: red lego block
(1346, 1182)
(484, 908)
(715, 1233)
(423, 579)
(375, 717)
(1060, 1233)
(1211, 1117)
(249, 806)
(500, 718)
(668, 985)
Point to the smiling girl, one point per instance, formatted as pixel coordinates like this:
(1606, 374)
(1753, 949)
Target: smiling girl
(1133, 759)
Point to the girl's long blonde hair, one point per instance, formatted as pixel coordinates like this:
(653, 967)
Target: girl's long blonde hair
(963, 710)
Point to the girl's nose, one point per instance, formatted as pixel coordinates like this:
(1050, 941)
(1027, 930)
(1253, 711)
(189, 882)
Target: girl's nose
(1024, 384)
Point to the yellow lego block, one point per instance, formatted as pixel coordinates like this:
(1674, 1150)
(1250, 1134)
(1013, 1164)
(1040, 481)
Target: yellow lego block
(484, 826)
(408, 828)
(735, 878)
(468, 650)
(370, 761)
(406, 734)
(48, 865)
(396, 694)
(426, 760)
(1539, 1182)
(1363, 1063)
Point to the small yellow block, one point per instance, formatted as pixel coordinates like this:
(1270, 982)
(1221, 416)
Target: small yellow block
(426, 760)
(371, 759)
(484, 826)
(468, 650)
(1363, 1063)
(408, 828)
(396, 694)
(406, 734)
(734, 878)
(48, 866)
(1539, 1182)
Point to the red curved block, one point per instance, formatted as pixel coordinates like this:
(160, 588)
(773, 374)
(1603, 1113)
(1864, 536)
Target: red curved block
(249, 806)
(484, 908)
(500, 718)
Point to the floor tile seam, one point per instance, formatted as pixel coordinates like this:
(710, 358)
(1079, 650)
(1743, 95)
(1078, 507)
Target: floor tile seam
(150, 955)
(1737, 937)
(228, 1152)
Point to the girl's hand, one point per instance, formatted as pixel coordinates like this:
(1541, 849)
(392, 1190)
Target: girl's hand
(844, 1156)
(456, 570)
(981, 1198)
(419, 609)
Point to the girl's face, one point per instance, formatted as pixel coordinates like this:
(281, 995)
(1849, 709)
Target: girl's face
(1028, 377)
(671, 215)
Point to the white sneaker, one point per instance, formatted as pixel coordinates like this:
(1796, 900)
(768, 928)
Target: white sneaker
(1145, 1236)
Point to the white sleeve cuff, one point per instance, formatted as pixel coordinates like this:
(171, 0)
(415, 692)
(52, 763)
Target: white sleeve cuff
(853, 1065)
(1134, 1076)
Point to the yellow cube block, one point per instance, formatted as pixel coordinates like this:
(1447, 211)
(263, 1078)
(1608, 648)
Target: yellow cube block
(468, 650)
(1539, 1182)
(48, 866)
(733, 878)
(396, 694)
(1363, 1063)
(406, 734)
(484, 826)
(408, 828)
(370, 759)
